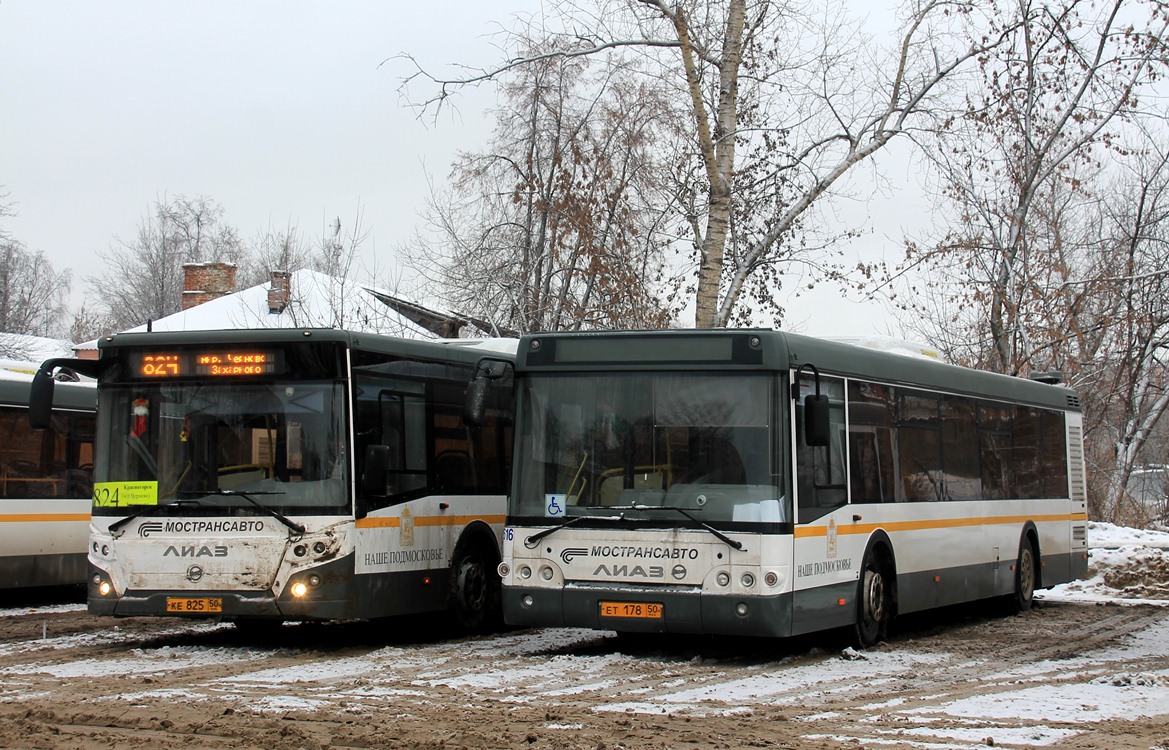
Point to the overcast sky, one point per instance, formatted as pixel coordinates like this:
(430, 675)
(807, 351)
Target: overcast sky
(278, 111)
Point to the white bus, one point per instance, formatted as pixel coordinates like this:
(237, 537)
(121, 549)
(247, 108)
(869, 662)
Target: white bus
(262, 476)
(45, 482)
(694, 482)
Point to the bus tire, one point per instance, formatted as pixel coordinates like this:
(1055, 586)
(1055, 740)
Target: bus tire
(1024, 596)
(475, 595)
(874, 604)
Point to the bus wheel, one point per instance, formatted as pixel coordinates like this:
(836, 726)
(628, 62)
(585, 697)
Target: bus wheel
(475, 590)
(1024, 595)
(874, 604)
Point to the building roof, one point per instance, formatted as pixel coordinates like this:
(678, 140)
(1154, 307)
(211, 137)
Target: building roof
(317, 300)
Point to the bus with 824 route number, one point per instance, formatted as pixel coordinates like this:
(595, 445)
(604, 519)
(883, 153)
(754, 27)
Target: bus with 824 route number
(755, 482)
(269, 475)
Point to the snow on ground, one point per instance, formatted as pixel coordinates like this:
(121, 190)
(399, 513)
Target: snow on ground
(1126, 567)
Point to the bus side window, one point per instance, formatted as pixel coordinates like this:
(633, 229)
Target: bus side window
(919, 447)
(388, 414)
(870, 442)
(821, 472)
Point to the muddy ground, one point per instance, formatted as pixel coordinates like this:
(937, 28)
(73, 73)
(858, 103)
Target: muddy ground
(962, 678)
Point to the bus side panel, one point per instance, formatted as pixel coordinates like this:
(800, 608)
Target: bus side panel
(403, 553)
(820, 608)
(44, 541)
(22, 571)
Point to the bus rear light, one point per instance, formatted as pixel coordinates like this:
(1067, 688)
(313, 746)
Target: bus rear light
(503, 570)
(771, 578)
(841, 602)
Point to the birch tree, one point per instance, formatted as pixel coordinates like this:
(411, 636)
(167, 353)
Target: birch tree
(1132, 374)
(800, 88)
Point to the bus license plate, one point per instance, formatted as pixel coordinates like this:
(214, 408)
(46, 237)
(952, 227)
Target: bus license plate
(193, 606)
(636, 610)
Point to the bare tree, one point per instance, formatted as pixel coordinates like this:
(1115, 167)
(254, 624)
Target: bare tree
(1051, 103)
(1130, 377)
(274, 250)
(32, 292)
(143, 277)
(553, 227)
(1055, 257)
(799, 89)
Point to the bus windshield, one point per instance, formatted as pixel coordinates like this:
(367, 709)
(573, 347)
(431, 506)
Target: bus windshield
(206, 443)
(648, 444)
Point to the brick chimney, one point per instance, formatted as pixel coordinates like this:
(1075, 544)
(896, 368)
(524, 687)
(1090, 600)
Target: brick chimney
(280, 293)
(203, 282)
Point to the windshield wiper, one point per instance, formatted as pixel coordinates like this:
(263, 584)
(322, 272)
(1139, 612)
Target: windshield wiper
(534, 539)
(721, 536)
(274, 513)
(146, 511)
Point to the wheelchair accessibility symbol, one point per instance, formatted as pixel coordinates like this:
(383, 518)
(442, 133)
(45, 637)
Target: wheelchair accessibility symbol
(554, 506)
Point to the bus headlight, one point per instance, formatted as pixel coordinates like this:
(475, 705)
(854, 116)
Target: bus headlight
(525, 572)
(546, 573)
(771, 578)
(748, 580)
(104, 588)
(503, 570)
(299, 589)
(723, 578)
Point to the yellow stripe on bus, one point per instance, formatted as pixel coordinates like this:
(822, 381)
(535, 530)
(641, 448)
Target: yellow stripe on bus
(382, 522)
(803, 532)
(42, 517)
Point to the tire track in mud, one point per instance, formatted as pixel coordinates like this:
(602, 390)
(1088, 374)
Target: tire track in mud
(144, 683)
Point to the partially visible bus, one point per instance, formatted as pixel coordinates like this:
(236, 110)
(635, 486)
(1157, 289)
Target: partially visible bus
(753, 482)
(45, 482)
(268, 475)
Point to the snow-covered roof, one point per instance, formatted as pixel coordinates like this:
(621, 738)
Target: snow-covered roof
(15, 346)
(316, 300)
(891, 345)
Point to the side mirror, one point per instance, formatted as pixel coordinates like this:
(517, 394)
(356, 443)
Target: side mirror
(40, 400)
(375, 478)
(475, 405)
(817, 428)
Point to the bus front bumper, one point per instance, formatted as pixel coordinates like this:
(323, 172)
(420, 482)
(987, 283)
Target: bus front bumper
(330, 599)
(681, 612)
